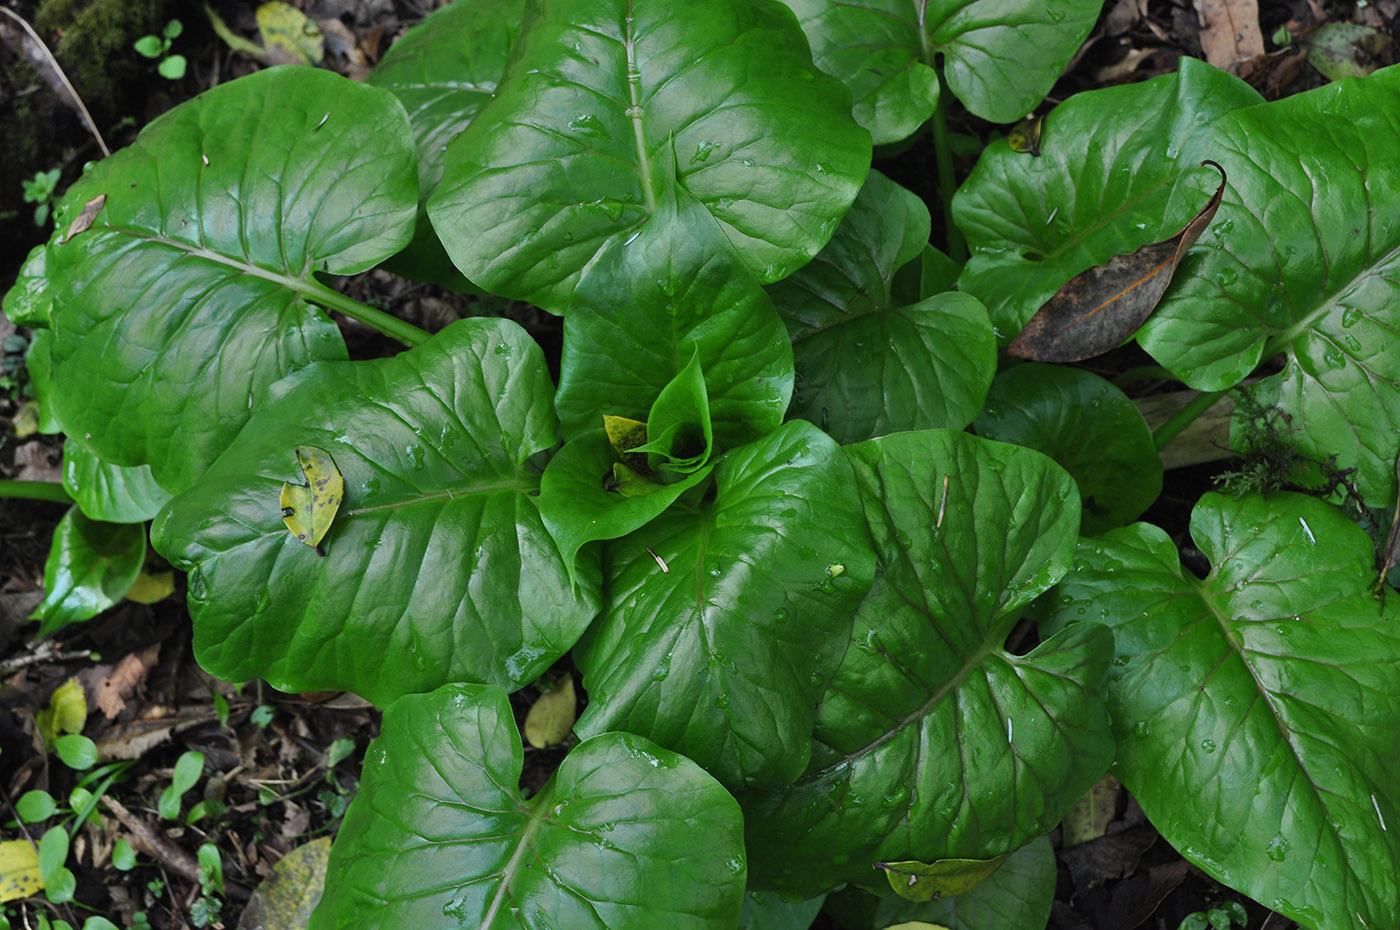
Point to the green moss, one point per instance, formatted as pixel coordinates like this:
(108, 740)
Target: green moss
(92, 40)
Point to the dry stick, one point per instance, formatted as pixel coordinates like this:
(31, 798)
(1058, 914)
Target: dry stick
(39, 43)
(147, 840)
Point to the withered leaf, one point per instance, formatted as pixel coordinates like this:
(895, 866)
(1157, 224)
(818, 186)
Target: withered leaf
(83, 221)
(1099, 308)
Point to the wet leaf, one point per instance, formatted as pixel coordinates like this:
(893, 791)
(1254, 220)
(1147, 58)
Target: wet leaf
(309, 508)
(552, 716)
(19, 870)
(1392, 543)
(290, 38)
(1101, 307)
(934, 881)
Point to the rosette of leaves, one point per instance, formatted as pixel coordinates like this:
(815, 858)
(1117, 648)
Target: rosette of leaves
(180, 280)
(934, 740)
(437, 567)
(1278, 671)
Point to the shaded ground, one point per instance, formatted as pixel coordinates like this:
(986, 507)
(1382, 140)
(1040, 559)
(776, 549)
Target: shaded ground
(279, 769)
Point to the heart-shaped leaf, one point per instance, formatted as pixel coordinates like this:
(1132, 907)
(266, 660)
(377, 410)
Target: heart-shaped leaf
(438, 566)
(934, 740)
(91, 564)
(107, 492)
(444, 70)
(726, 619)
(188, 294)
(1303, 259)
(1000, 57)
(1086, 425)
(1277, 671)
(625, 836)
(606, 106)
(867, 364)
(1118, 168)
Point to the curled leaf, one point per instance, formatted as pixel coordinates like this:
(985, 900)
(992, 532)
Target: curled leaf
(309, 508)
(1099, 308)
(933, 881)
(83, 221)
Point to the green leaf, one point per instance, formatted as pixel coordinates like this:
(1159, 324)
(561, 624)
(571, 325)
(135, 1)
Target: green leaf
(76, 751)
(680, 437)
(1000, 57)
(1276, 671)
(59, 883)
(933, 881)
(1019, 894)
(187, 295)
(35, 805)
(172, 68)
(1303, 259)
(28, 302)
(625, 836)
(933, 740)
(91, 564)
(1086, 425)
(111, 493)
(123, 856)
(444, 70)
(438, 567)
(1118, 168)
(150, 46)
(606, 109)
(764, 910)
(653, 305)
(726, 619)
(39, 361)
(188, 769)
(867, 363)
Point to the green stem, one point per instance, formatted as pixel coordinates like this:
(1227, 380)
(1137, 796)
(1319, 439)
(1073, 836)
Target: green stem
(947, 183)
(1143, 373)
(35, 491)
(389, 325)
(1185, 417)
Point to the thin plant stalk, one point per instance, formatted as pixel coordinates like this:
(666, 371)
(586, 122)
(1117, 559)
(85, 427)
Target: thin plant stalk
(1184, 417)
(947, 183)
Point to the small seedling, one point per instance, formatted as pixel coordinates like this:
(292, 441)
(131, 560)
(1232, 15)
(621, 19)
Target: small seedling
(39, 190)
(1225, 917)
(171, 67)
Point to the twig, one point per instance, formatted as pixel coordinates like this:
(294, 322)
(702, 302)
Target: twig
(145, 839)
(58, 70)
(44, 652)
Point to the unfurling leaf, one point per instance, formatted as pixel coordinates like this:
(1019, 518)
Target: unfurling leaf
(552, 716)
(933, 881)
(309, 508)
(1099, 308)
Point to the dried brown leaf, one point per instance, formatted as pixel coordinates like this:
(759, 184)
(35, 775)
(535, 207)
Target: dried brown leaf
(116, 686)
(1099, 308)
(1229, 30)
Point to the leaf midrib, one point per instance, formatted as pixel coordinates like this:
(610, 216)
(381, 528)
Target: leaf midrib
(542, 803)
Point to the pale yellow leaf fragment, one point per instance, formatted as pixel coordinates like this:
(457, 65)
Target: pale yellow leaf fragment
(552, 716)
(19, 870)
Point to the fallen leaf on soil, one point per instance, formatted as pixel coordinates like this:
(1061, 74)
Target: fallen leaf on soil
(289, 37)
(151, 587)
(119, 683)
(1090, 816)
(19, 870)
(1229, 31)
(286, 898)
(34, 463)
(1343, 50)
(1099, 308)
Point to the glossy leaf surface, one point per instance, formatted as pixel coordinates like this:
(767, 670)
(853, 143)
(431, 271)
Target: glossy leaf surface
(91, 564)
(443, 71)
(1118, 168)
(933, 741)
(112, 493)
(1086, 425)
(1278, 671)
(625, 836)
(1019, 894)
(723, 654)
(1000, 56)
(187, 296)
(438, 567)
(664, 299)
(768, 911)
(867, 364)
(1304, 259)
(606, 108)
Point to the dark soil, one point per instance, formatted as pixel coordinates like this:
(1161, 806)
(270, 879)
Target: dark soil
(269, 776)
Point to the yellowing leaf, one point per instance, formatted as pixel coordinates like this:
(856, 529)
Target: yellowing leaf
(149, 588)
(933, 881)
(309, 508)
(286, 898)
(552, 716)
(1025, 136)
(19, 870)
(290, 38)
(66, 712)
